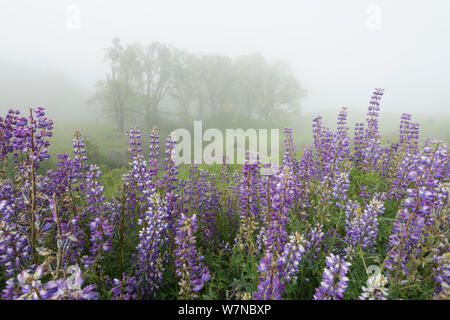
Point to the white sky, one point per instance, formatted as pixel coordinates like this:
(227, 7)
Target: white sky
(337, 49)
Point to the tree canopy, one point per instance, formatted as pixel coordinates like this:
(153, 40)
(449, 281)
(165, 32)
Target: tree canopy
(146, 83)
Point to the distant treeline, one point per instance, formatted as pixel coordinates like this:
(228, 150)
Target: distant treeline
(147, 84)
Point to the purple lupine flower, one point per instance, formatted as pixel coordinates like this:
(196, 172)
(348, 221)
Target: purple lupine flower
(101, 229)
(404, 131)
(372, 114)
(340, 184)
(332, 152)
(152, 236)
(334, 281)
(387, 159)
(153, 152)
(261, 239)
(363, 193)
(406, 169)
(302, 171)
(227, 183)
(292, 255)
(28, 285)
(370, 145)
(71, 287)
(29, 146)
(62, 183)
(201, 195)
(14, 245)
(325, 151)
(67, 231)
(249, 193)
(362, 225)
(416, 212)
(341, 140)
(305, 174)
(442, 273)
(314, 242)
(272, 265)
(317, 135)
(409, 134)
(289, 158)
(139, 182)
(79, 149)
(135, 142)
(7, 126)
(169, 178)
(81, 165)
(358, 143)
(207, 206)
(189, 264)
(30, 136)
(125, 289)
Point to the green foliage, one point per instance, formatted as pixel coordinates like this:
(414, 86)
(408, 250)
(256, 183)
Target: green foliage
(111, 179)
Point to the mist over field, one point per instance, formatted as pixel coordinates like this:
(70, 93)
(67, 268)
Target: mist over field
(116, 182)
(52, 53)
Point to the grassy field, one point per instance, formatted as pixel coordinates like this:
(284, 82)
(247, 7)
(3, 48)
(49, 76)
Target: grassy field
(107, 140)
(108, 147)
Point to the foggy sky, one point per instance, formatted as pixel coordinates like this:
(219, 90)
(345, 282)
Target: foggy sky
(339, 50)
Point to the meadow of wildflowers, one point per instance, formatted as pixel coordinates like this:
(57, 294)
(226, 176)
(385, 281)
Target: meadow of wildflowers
(348, 217)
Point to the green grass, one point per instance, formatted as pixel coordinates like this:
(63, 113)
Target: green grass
(108, 139)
